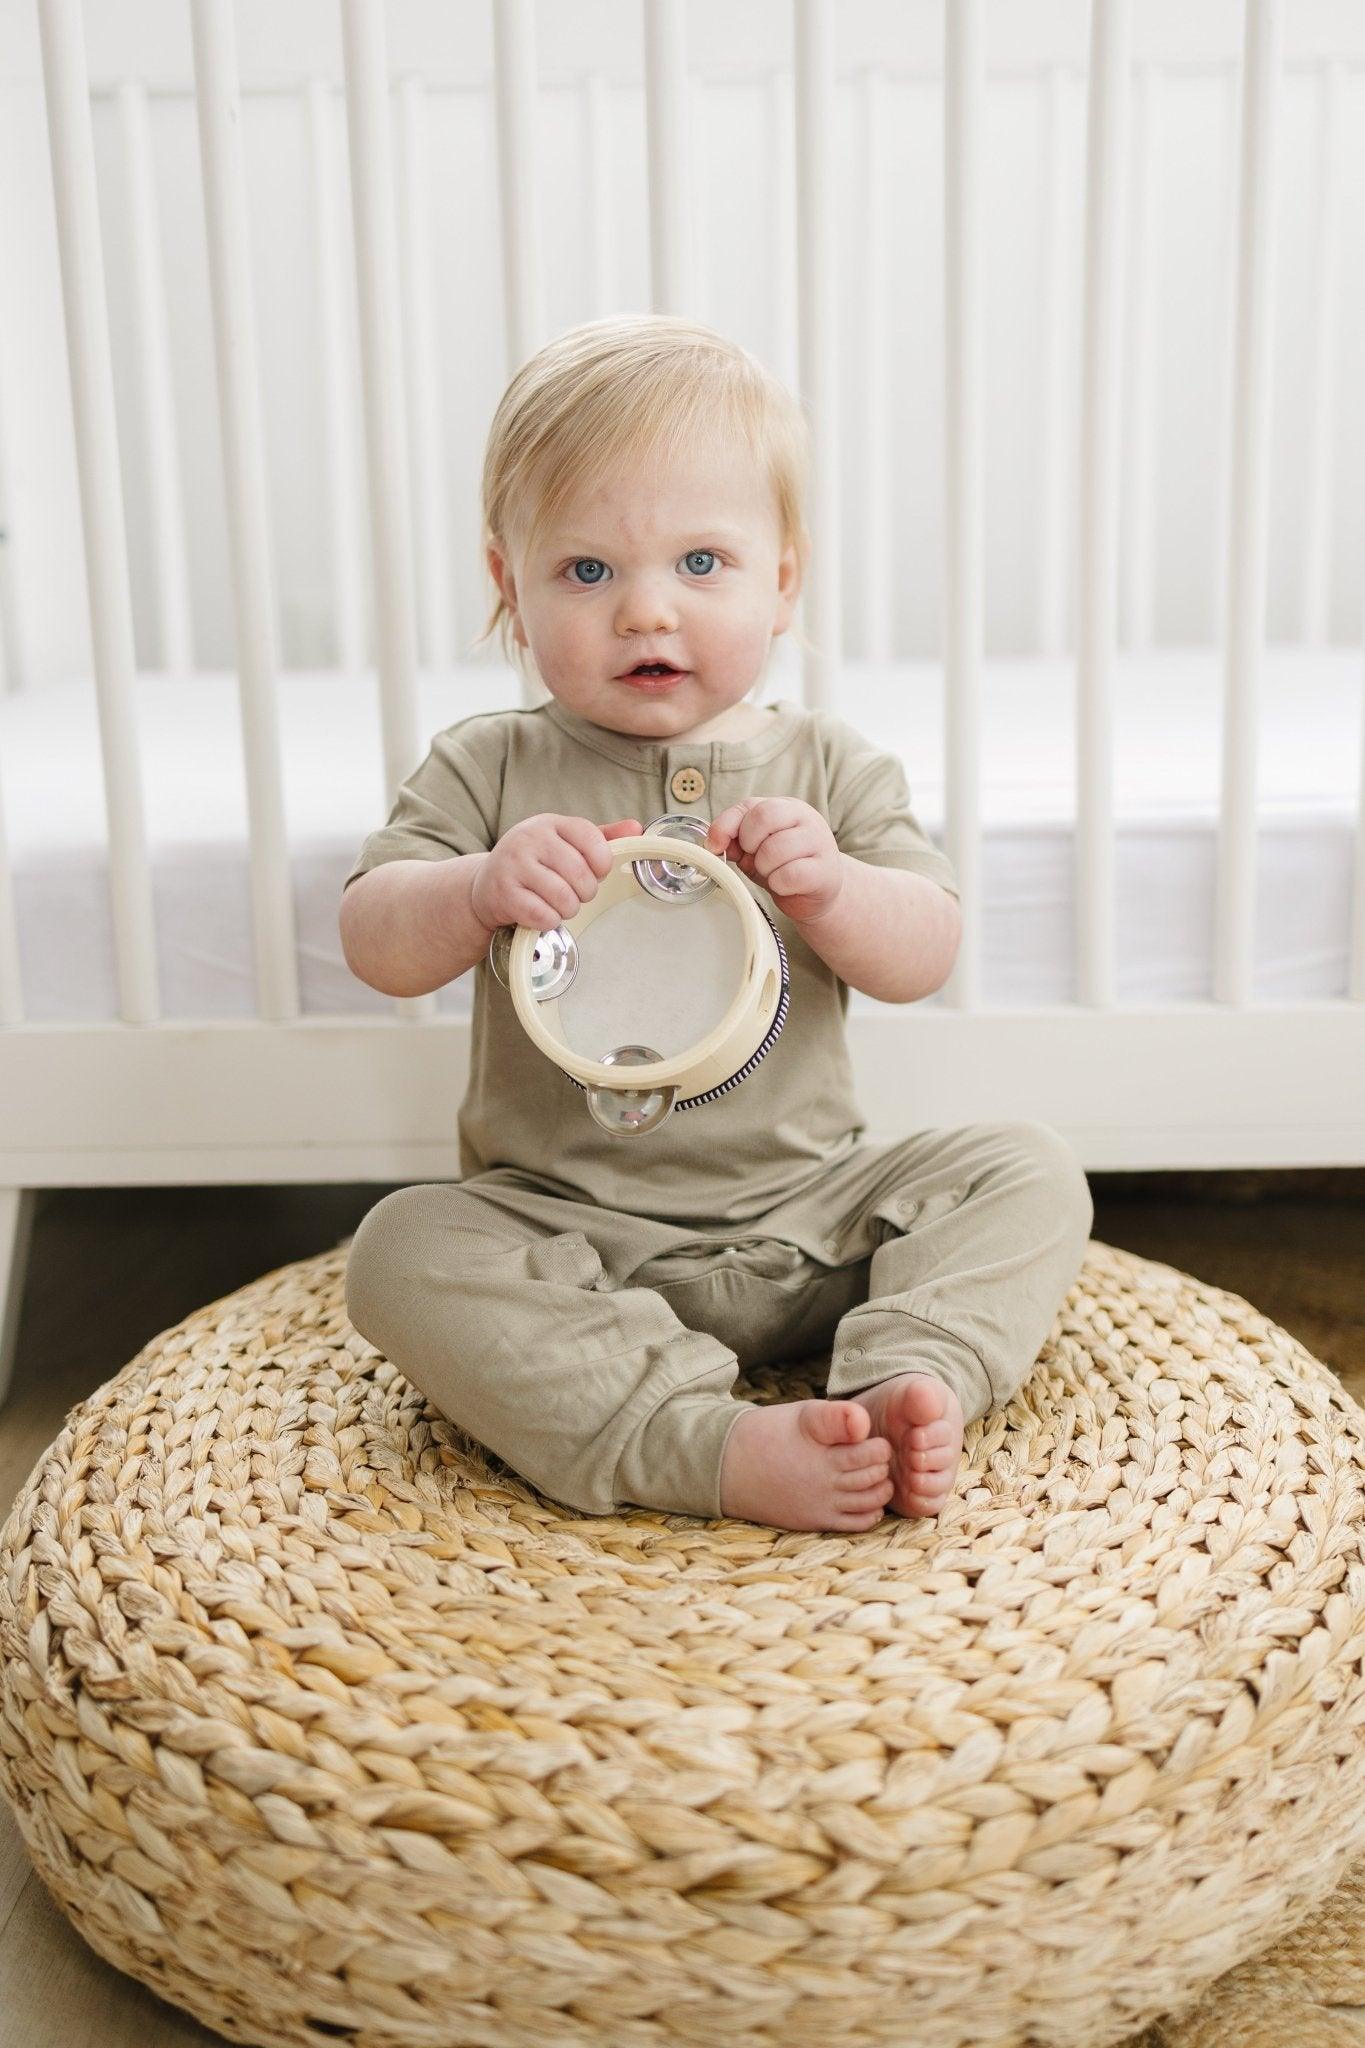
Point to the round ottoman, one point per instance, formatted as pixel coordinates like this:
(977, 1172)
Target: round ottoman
(321, 1722)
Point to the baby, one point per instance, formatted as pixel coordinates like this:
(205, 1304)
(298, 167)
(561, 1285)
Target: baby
(580, 1302)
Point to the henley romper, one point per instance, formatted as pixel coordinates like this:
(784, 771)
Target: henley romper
(579, 1302)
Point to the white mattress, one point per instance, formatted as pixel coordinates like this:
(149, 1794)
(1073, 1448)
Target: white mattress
(1167, 774)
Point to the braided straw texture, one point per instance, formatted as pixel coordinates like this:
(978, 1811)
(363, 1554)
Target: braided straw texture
(321, 1722)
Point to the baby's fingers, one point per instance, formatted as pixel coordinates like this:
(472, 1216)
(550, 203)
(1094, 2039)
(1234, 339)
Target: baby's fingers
(528, 908)
(724, 828)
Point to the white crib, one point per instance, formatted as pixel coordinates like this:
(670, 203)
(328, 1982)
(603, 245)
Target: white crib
(1160, 850)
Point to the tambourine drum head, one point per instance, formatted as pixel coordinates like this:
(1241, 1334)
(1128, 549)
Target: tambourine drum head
(664, 992)
(652, 973)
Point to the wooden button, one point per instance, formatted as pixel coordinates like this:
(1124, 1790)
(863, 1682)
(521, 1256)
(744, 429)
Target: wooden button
(687, 785)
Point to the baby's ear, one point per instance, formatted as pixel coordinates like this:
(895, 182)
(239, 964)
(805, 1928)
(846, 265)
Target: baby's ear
(788, 585)
(500, 569)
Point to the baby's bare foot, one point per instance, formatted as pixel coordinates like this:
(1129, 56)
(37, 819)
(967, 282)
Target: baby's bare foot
(805, 1465)
(921, 1419)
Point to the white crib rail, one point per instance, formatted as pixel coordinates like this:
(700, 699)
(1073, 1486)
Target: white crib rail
(1138, 561)
(1248, 506)
(1356, 963)
(152, 356)
(367, 113)
(1050, 442)
(672, 251)
(1098, 538)
(234, 335)
(514, 77)
(381, 357)
(426, 436)
(1317, 525)
(106, 549)
(341, 510)
(963, 94)
(1225, 1055)
(822, 600)
(874, 484)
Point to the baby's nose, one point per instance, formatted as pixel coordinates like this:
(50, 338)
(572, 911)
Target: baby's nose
(644, 608)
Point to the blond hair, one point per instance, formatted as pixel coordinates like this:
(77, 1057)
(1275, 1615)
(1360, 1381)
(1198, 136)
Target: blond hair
(630, 389)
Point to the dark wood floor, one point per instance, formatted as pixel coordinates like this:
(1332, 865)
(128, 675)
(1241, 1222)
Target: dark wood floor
(110, 1268)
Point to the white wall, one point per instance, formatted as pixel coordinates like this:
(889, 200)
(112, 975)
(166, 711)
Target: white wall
(733, 50)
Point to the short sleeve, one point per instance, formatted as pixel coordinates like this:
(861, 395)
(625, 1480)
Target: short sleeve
(448, 805)
(869, 809)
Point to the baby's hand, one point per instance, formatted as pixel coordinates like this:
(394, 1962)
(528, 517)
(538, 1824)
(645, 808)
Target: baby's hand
(543, 870)
(787, 847)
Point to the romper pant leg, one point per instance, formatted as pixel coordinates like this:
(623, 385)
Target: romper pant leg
(596, 1392)
(988, 1227)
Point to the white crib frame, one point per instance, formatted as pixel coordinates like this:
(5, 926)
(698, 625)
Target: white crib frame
(285, 1097)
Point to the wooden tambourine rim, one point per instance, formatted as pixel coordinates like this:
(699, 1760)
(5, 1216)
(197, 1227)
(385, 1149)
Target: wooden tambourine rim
(677, 1070)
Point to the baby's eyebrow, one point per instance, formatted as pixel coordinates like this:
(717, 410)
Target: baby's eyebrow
(725, 536)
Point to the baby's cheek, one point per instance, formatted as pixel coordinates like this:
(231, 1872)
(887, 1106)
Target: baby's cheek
(559, 657)
(746, 638)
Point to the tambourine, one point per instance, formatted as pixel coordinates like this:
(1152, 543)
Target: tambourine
(673, 965)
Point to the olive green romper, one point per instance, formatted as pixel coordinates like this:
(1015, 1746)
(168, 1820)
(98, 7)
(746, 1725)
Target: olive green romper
(581, 1302)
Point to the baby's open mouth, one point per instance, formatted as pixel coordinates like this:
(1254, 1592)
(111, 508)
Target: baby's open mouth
(654, 668)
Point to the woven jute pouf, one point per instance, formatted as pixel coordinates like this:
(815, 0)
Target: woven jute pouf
(320, 1721)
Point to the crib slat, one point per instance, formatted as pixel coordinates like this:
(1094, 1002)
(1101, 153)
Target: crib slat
(1106, 151)
(782, 144)
(152, 356)
(1054, 416)
(342, 509)
(964, 92)
(1139, 536)
(672, 270)
(875, 492)
(247, 505)
(365, 53)
(367, 123)
(1248, 503)
(426, 440)
(1226, 299)
(817, 303)
(14, 640)
(11, 978)
(1315, 600)
(66, 86)
(514, 81)
(1355, 962)
(600, 189)
(514, 78)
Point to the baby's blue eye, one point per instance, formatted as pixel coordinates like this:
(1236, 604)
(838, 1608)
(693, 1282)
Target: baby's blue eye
(587, 562)
(699, 555)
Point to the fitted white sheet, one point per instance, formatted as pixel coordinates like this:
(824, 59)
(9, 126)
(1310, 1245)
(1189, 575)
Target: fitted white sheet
(1166, 782)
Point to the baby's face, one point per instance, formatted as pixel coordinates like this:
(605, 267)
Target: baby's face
(685, 567)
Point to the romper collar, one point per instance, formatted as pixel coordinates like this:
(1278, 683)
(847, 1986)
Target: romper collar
(649, 755)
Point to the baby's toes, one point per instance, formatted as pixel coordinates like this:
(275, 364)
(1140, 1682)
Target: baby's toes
(864, 1487)
(873, 1454)
(927, 1491)
(929, 1481)
(935, 1460)
(933, 1436)
(854, 1518)
(933, 1472)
